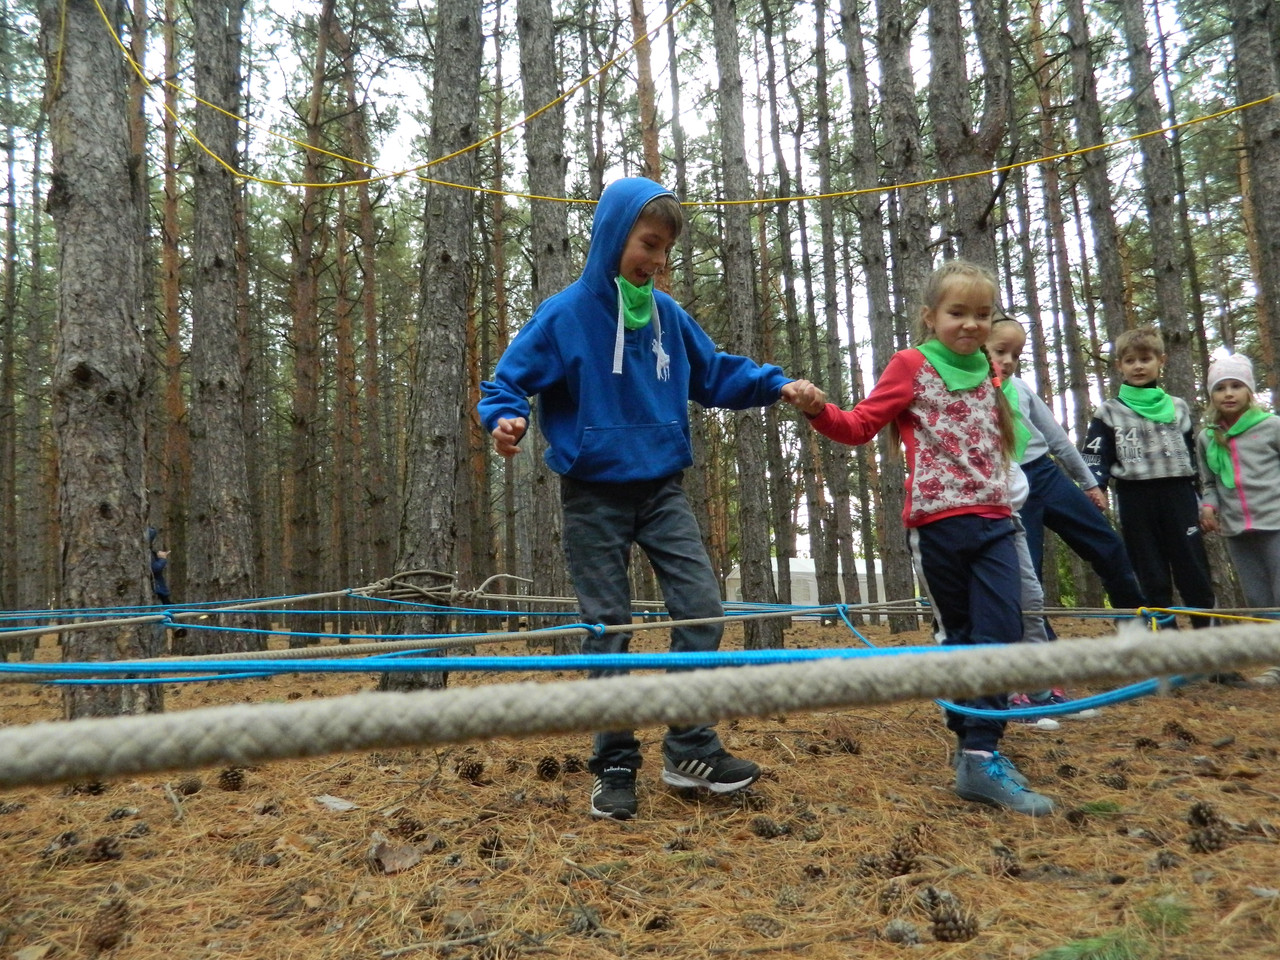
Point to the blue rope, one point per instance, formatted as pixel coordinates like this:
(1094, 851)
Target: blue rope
(1108, 698)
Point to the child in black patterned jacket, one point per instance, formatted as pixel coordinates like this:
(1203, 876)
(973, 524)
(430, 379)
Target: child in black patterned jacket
(1142, 440)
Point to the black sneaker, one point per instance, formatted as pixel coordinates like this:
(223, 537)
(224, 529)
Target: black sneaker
(719, 772)
(614, 794)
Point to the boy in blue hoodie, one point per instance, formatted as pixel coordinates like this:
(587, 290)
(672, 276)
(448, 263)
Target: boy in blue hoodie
(614, 364)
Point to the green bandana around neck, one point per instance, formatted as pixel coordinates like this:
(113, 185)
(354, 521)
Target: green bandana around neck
(1216, 454)
(637, 303)
(1021, 432)
(958, 371)
(1150, 402)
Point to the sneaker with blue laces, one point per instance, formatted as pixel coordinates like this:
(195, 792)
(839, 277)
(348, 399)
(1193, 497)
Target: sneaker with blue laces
(990, 778)
(1020, 701)
(1010, 771)
(719, 772)
(614, 794)
(1058, 695)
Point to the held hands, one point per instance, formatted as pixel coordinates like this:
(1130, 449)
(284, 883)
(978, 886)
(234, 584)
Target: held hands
(506, 435)
(805, 396)
(1208, 519)
(1098, 497)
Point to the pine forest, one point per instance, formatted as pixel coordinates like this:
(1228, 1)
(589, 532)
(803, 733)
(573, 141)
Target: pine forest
(259, 257)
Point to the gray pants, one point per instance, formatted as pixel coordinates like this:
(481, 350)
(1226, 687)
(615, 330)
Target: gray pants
(601, 523)
(1032, 593)
(1256, 556)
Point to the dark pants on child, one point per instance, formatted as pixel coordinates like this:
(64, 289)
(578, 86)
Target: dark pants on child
(601, 523)
(1160, 520)
(968, 568)
(1057, 503)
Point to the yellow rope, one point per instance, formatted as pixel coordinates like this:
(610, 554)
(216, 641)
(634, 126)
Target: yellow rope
(1144, 612)
(414, 171)
(410, 171)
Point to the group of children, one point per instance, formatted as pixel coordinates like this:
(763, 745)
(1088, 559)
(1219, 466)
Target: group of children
(614, 362)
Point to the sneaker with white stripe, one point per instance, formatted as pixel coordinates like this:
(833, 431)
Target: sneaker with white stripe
(719, 772)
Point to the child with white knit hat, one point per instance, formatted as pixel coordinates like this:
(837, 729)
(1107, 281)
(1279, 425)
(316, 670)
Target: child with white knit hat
(1239, 459)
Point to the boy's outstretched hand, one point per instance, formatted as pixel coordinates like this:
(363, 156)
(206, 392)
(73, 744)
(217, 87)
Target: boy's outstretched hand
(805, 396)
(506, 435)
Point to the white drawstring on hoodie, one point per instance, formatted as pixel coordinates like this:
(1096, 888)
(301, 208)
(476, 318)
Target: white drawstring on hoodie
(663, 366)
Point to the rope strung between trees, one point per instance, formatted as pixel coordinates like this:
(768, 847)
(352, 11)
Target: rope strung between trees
(78, 750)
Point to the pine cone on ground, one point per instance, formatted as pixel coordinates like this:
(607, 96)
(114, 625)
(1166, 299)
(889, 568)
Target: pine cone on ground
(548, 768)
(901, 931)
(812, 832)
(790, 898)
(574, 763)
(1116, 781)
(1208, 839)
(768, 828)
(1004, 862)
(764, 925)
(471, 770)
(1145, 743)
(408, 828)
(952, 923)
(103, 849)
(231, 779)
(108, 925)
(904, 852)
(1203, 814)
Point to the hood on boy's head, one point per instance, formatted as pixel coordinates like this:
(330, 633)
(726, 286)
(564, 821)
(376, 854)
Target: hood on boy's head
(616, 212)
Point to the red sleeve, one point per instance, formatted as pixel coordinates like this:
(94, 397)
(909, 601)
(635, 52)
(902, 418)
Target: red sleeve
(891, 395)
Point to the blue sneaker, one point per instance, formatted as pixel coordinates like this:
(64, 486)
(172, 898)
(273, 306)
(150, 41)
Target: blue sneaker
(991, 780)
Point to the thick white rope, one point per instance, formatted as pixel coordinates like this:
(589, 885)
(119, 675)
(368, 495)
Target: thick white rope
(46, 753)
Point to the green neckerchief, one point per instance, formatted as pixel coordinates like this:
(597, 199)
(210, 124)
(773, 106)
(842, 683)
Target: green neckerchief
(637, 303)
(958, 372)
(1021, 432)
(1216, 454)
(1150, 402)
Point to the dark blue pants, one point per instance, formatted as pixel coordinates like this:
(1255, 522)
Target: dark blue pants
(602, 521)
(968, 568)
(1057, 503)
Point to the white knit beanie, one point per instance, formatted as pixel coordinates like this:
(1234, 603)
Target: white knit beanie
(1235, 366)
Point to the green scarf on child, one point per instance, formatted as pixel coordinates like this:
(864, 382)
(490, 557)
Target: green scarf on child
(1021, 432)
(1150, 402)
(637, 303)
(1216, 454)
(958, 371)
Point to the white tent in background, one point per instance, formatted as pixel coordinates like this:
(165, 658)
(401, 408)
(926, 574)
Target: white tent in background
(804, 583)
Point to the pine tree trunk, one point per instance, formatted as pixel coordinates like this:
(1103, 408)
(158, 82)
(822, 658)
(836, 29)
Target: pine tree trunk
(175, 447)
(303, 556)
(34, 569)
(220, 566)
(1091, 132)
(428, 525)
(963, 147)
(1255, 34)
(549, 238)
(95, 200)
(1158, 179)
(753, 491)
(909, 244)
(377, 546)
(8, 335)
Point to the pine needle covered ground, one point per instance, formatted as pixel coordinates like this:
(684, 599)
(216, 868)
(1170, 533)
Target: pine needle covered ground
(851, 845)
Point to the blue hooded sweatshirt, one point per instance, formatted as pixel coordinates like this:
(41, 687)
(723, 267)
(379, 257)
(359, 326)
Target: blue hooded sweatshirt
(613, 404)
